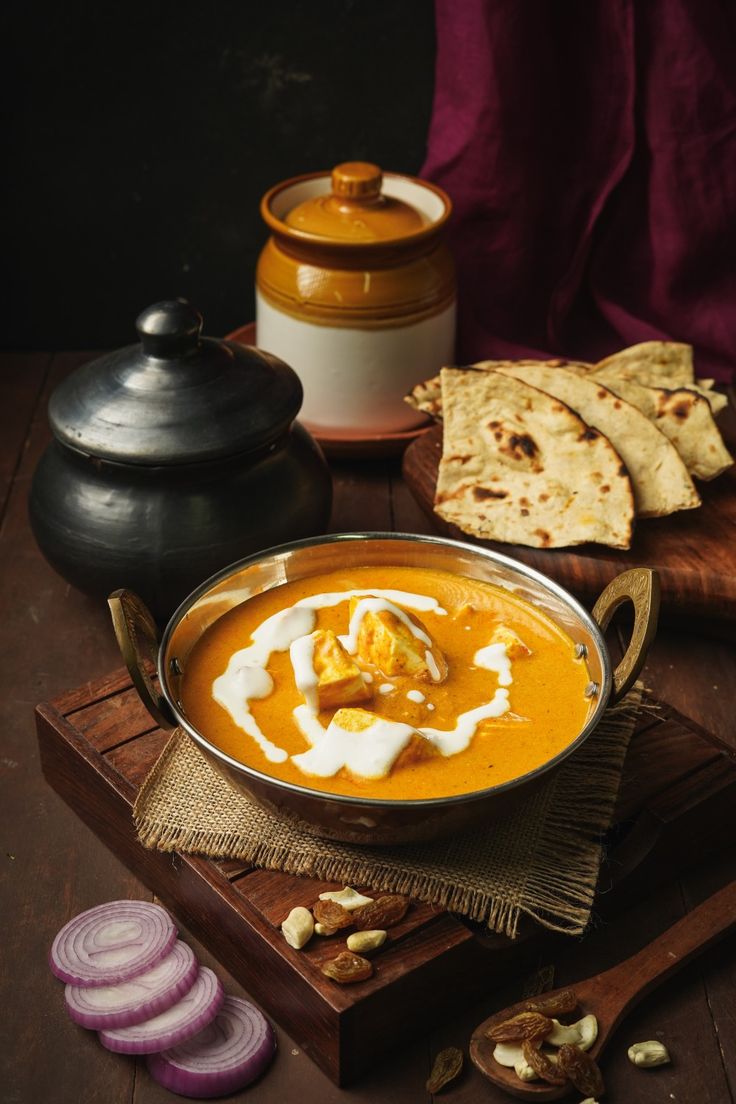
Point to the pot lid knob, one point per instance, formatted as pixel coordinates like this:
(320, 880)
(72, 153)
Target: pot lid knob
(357, 179)
(169, 328)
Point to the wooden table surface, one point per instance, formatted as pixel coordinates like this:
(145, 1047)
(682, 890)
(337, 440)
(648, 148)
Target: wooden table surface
(54, 638)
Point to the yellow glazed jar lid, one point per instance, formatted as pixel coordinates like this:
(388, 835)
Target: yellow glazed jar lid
(356, 209)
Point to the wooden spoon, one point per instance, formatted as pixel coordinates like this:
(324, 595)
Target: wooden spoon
(610, 995)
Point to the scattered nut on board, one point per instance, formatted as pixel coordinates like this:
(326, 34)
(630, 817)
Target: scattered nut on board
(363, 941)
(298, 927)
(649, 1053)
(349, 898)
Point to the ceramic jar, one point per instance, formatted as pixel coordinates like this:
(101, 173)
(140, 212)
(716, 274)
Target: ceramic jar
(173, 458)
(355, 289)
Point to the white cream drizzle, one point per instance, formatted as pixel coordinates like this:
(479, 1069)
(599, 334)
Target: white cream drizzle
(494, 657)
(301, 653)
(458, 738)
(422, 602)
(386, 688)
(369, 754)
(432, 666)
(240, 684)
(372, 752)
(233, 690)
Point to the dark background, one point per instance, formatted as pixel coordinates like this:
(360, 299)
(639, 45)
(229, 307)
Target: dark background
(142, 136)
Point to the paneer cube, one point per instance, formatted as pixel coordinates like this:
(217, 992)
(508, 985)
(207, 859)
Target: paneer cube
(417, 750)
(400, 751)
(515, 646)
(339, 679)
(386, 640)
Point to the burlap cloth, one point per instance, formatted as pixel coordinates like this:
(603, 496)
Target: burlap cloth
(543, 861)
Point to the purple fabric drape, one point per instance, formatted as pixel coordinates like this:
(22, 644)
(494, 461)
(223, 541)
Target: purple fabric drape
(589, 148)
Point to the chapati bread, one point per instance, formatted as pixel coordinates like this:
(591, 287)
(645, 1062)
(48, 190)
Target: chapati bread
(666, 364)
(659, 477)
(685, 418)
(427, 396)
(519, 466)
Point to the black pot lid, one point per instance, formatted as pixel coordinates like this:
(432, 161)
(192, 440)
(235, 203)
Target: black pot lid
(177, 397)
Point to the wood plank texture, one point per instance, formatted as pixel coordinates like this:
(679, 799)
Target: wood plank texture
(54, 864)
(97, 755)
(693, 551)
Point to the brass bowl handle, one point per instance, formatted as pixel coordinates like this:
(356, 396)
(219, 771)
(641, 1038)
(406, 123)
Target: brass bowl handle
(137, 637)
(640, 586)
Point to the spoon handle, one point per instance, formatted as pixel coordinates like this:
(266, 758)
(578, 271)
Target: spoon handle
(623, 986)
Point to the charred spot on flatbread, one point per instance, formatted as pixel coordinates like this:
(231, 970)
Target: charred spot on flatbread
(481, 494)
(659, 477)
(685, 415)
(514, 442)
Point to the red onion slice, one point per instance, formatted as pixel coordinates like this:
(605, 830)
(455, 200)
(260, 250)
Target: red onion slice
(195, 1010)
(233, 1051)
(141, 998)
(112, 943)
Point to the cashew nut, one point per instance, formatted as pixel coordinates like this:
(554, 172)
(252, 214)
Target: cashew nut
(362, 941)
(508, 1054)
(583, 1033)
(349, 898)
(525, 1072)
(298, 927)
(650, 1053)
(320, 929)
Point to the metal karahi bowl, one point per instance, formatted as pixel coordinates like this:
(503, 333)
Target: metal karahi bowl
(375, 821)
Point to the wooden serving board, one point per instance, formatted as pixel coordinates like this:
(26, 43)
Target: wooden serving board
(97, 744)
(694, 551)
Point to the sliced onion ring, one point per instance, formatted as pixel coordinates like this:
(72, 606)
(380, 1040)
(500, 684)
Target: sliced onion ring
(195, 1010)
(140, 998)
(111, 943)
(233, 1051)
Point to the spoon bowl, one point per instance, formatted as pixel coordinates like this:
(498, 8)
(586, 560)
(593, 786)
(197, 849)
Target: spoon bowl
(610, 995)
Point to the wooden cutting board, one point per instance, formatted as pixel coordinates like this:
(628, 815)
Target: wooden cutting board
(694, 551)
(98, 743)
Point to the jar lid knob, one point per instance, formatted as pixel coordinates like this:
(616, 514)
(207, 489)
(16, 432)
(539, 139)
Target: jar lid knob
(357, 180)
(169, 328)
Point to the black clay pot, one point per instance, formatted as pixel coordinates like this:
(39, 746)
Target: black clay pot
(172, 459)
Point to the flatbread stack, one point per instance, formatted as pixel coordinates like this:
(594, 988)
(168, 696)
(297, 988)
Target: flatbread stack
(557, 453)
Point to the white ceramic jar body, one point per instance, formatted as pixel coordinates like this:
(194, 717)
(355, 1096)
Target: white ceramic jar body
(355, 379)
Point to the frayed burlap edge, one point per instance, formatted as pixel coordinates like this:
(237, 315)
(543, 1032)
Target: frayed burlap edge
(542, 861)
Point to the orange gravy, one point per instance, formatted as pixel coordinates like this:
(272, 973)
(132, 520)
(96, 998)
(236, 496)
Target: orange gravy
(547, 707)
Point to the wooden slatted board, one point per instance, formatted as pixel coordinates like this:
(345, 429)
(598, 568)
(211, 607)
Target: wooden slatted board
(694, 551)
(97, 744)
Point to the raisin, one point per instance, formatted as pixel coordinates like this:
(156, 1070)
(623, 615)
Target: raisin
(447, 1066)
(527, 1025)
(347, 968)
(542, 1065)
(332, 915)
(556, 1004)
(382, 913)
(580, 1068)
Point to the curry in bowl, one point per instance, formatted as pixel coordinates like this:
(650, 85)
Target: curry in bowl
(387, 682)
